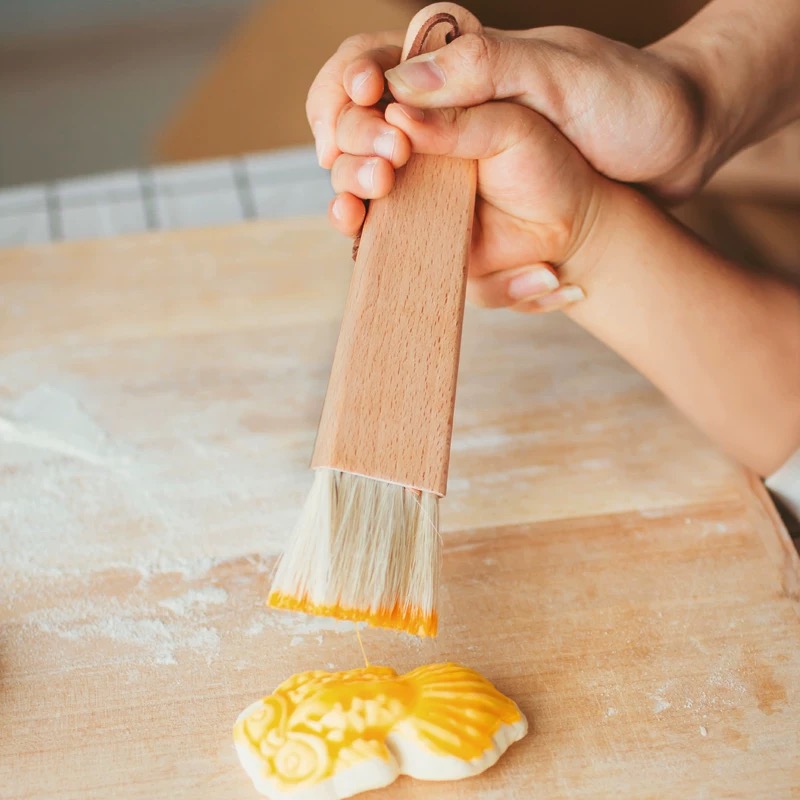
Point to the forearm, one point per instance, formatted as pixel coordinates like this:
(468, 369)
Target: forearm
(744, 59)
(721, 342)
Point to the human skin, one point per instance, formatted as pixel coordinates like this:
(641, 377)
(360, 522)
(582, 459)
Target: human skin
(722, 342)
(665, 117)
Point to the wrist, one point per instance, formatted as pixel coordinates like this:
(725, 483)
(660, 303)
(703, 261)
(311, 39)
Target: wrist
(587, 253)
(742, 59)
(702, 97)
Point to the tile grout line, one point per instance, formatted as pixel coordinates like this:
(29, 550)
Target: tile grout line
(55, 224)
(147, 193)
(244, 188)
(144, 190)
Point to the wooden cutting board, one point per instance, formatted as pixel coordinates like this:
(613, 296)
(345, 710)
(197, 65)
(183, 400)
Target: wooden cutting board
(626, 584)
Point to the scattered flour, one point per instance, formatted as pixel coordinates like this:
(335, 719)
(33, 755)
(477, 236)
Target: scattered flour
(46, 419)
(300, 625)
(703, 730)
(659, 701)
(195, 599)
(255, 628)
(153, 641)
(611, 712)
(660, 704)
(76, 499)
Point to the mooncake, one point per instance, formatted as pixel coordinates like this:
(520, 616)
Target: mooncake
(330, 735)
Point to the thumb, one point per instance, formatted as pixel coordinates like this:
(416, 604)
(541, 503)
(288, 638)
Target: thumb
(473, 69)
(480, 132)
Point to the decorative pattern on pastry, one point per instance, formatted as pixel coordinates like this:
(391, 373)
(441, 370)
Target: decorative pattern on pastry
(330, 735)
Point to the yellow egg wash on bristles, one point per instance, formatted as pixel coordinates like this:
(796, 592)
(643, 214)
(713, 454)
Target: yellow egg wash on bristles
(330, 735)
(363, 550)
(409, 620)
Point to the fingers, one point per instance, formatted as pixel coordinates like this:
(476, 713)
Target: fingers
(511, 286)
(367, 178)
(326, 99)
(363, 78)
(346, 213)
(479, 67)
(369, 149)
(361, 61)
(535, 288)
(476, 133)
(365, 132)
(555, 301)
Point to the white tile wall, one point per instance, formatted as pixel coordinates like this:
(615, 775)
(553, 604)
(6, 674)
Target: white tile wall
(275, 184)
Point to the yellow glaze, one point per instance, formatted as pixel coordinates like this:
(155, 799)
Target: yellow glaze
(317, 724)
(411, 620)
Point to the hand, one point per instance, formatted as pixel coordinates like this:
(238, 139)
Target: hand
(537, 199)
(636, 115)
(633, 115)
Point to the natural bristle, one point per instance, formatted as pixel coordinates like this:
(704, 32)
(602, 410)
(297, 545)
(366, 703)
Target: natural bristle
(409, 620)
(363, 550)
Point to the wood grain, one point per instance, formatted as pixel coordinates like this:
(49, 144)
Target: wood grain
(625, 583)
(388, 413)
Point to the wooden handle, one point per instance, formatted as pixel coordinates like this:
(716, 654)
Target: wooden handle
(388, 413)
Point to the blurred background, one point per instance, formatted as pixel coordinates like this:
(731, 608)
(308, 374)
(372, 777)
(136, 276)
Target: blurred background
(86, 85)
(91, 86)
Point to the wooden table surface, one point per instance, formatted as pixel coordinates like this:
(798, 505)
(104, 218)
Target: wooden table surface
(630, 587)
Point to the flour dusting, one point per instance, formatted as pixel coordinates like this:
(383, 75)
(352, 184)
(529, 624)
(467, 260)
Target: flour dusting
(660, 704)
(149, 640)
(255, 628)
(47, 418)
(195, 599)
(86, 488)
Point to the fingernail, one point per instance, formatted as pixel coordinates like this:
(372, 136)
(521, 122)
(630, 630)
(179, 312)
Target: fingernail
(414, 114)
(531, 283)
(319, 141)
(422, 74)
(357, 82)
(565, 296)
(385, 144)
(366, 174)
(336, 209)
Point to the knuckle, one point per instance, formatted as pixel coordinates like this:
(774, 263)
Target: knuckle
(578, 40)
(344, 113)
(390, 53)
(474, 50)
(451, 129)
(338, 170)
(323, 88)
(449, 119)
(357, 42)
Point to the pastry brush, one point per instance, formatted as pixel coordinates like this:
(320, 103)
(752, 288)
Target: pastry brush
(366, 546)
